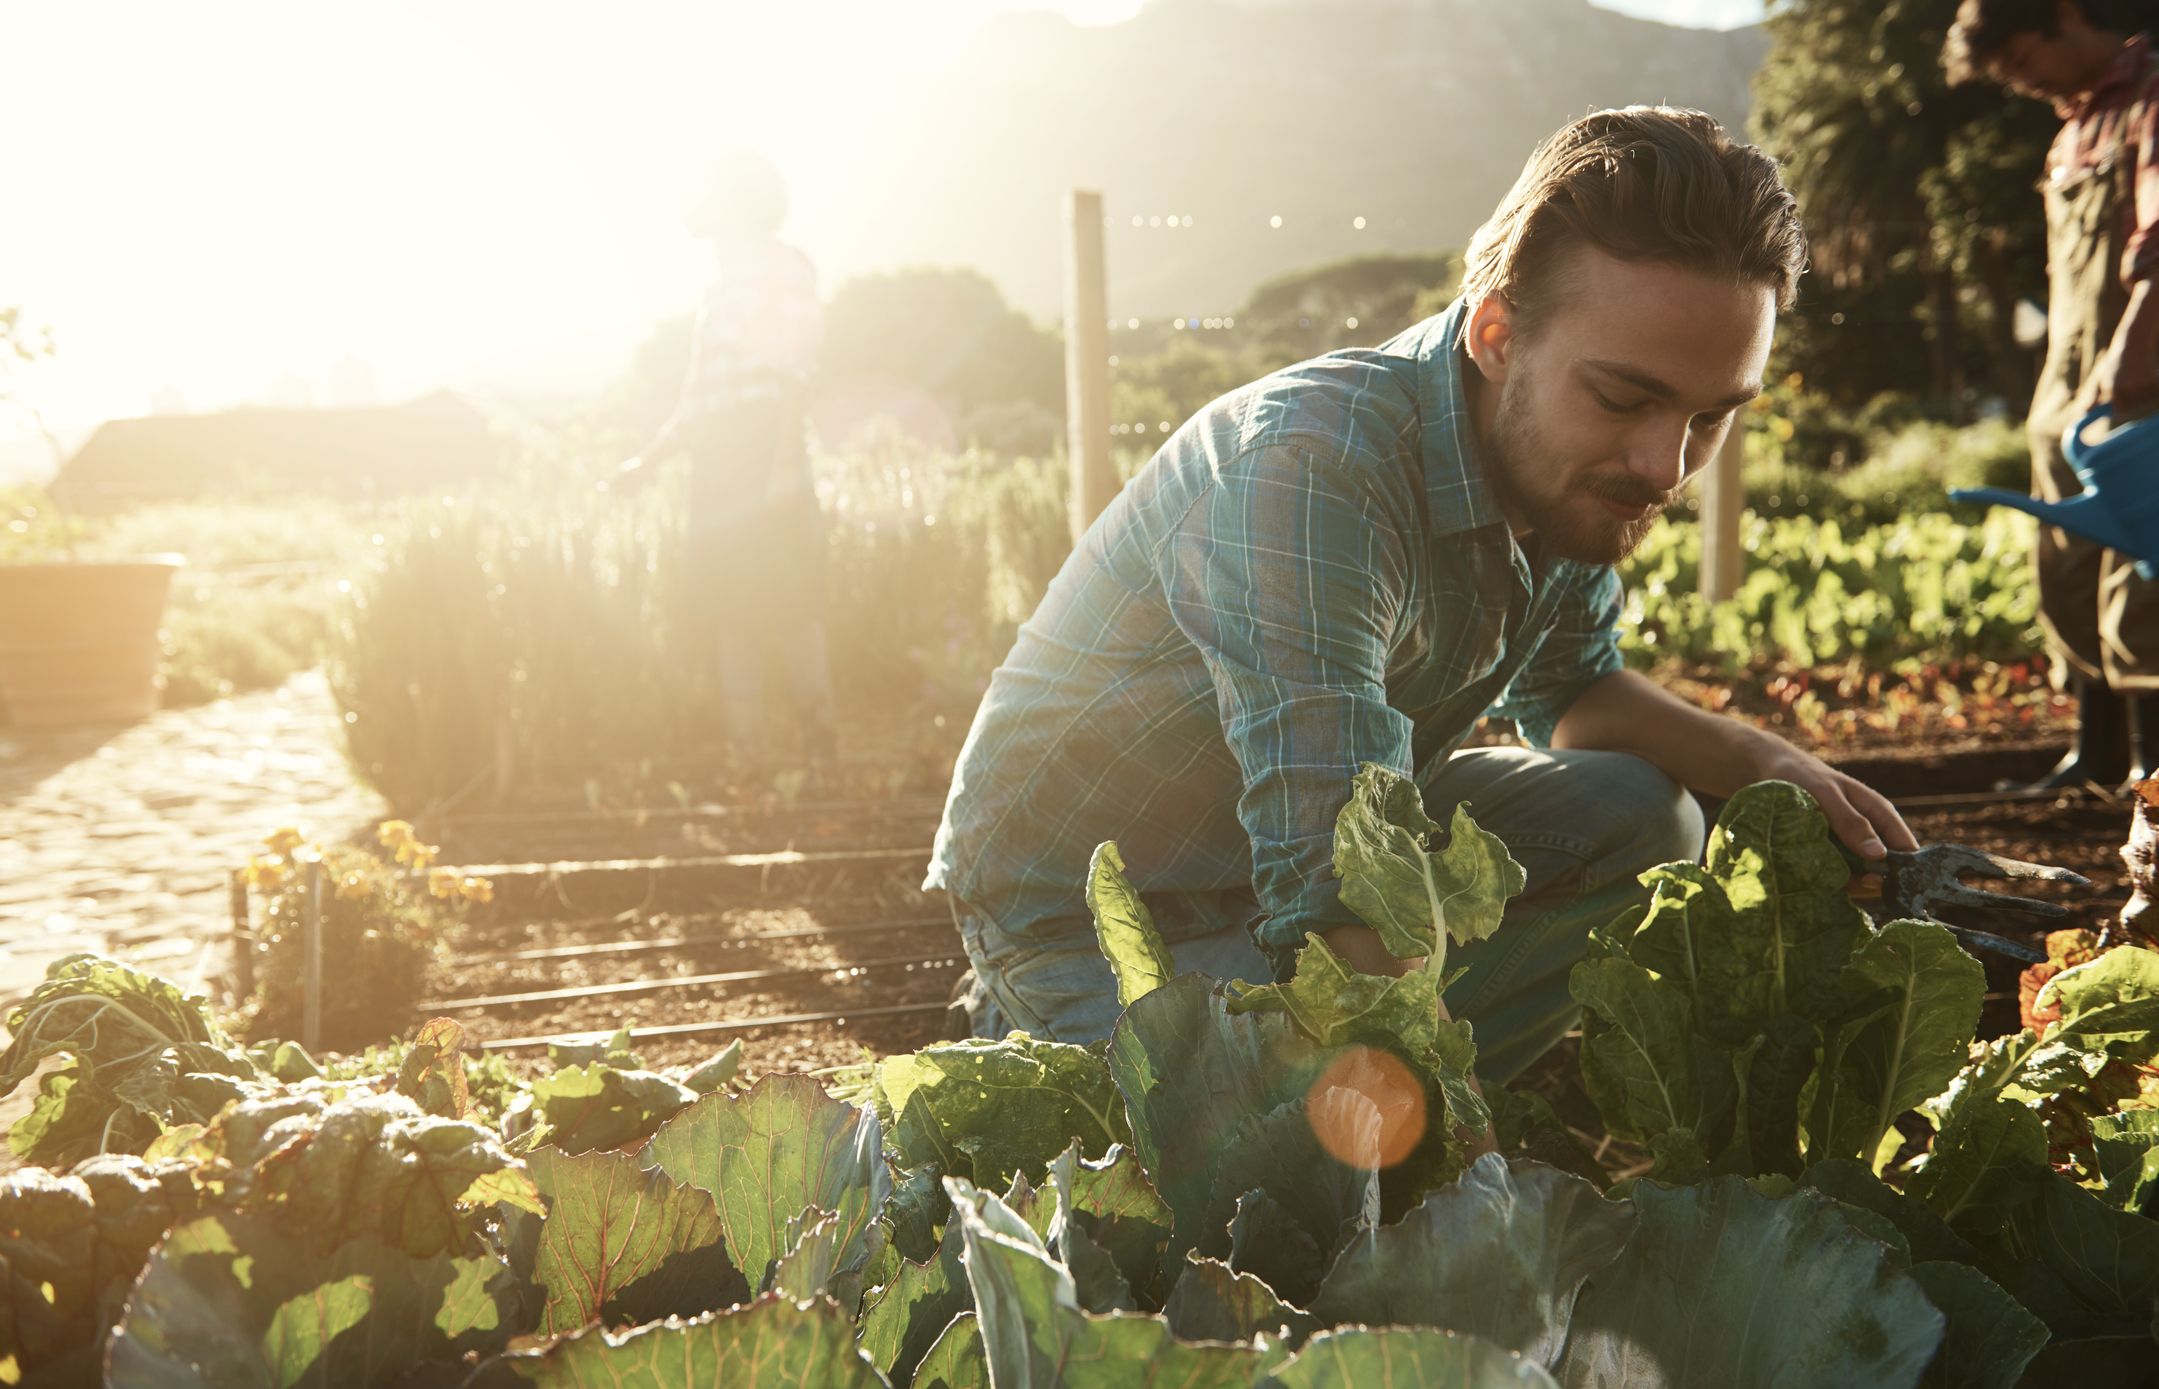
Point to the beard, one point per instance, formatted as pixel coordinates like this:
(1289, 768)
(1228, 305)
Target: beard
(1567, 510)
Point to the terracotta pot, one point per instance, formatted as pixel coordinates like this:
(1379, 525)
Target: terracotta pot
(79, 641)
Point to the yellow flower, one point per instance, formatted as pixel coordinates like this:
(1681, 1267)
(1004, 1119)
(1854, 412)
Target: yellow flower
(263, 874)
(443, 883)
(393, 833)
(423, 855)
(284, 841)
(477, 890)
(352, 887)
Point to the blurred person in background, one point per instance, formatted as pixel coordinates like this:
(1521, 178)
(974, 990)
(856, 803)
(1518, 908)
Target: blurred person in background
(755, 561)
(2102, 201)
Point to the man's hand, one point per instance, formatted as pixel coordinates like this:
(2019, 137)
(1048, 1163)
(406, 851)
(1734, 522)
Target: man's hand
(1861, 816)
(2127, 378)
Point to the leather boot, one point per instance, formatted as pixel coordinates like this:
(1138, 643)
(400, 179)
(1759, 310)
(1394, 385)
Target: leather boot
(2101, 754)
(2143, 735)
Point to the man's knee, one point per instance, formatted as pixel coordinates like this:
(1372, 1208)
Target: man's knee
(1653, 819)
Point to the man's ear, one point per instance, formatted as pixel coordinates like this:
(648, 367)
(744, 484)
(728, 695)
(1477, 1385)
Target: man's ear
(1492, 339)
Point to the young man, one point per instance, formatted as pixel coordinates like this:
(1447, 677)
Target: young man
(1353, 560)
(2102, 201)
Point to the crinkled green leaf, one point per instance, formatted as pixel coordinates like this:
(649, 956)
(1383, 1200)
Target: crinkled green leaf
(229, 1301)
(1394, 881)
(1723, 1287)
(1120, 1211)
(614, 1228)
(1989, 1339)
(2128, 1152)
(613, 1051)
(1763, 926)
(1036, 1337)
(377, 1165)
(432, 1074)
(1853, 1185)
(1405, 1356)
(824, 1260)
(132, 1038)
(1125, 928)
(1192, 1073)
(1655, 1078)
(957, 1360)
(594, 1105)
(2105, 1259)
(1214, 1302)
(771, 1343)
(983, 1110)
(1499, 1255)
(769, 1154)
(1987, 1159)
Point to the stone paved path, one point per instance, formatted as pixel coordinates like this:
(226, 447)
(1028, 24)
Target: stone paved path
(122, 839)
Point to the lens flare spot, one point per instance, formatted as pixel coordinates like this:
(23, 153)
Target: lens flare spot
(1367, 1108)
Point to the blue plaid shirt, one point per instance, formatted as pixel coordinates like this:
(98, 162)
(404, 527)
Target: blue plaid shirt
(1311, 574)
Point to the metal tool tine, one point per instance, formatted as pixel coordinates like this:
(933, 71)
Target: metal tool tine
(1978, 900)
(2000, 945)
(1996, 866)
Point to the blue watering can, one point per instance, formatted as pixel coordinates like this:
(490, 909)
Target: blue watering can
(2119, 506)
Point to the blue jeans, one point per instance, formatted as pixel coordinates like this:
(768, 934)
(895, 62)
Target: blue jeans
(1583, 825)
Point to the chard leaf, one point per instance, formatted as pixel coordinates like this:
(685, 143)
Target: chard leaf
(1192, 1073)
(983, 1110)
(1396, 883)
(1405, 1355)
(822, 1261)
(1112, 1201)
(2106, 1260)
(1036, 1337)
(713, 1074)
(1986, 1160)
(2109, 1005)
(583, 1107)
(1500, 1255)
(2128, 1153)
(771, 1153)
(617, 1234)
(1722, 1286)
(229, 1301)
(1125, 928)
(1902, 1044)
(771, 1343)
(1214, 1302)
(1853, 1185)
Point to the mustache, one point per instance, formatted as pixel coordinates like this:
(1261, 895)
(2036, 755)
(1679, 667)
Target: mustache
(1627, 490)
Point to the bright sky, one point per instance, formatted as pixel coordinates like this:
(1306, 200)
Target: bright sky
(211, 199)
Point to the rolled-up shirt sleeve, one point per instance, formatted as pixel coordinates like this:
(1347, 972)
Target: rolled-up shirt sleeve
(1289, 576)
(2140, 256)
(1580, 648)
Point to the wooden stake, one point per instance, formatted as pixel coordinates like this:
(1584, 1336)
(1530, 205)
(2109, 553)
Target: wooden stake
(1094, 478)
(243, 935)
(311, 960)
(1723, 499)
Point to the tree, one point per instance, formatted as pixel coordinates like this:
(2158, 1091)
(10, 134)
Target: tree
(1918, 197)
(1302, 313)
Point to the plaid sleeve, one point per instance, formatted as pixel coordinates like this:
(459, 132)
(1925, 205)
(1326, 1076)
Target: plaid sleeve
(1289, 574)
(2140, 257)
(1581, 648)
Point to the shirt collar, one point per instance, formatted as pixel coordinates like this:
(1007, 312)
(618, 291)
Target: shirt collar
(1459, 491)
(2126, 68)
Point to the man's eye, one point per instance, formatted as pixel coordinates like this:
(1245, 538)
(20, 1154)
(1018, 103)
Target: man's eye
(1705, 423)
(1614, 406)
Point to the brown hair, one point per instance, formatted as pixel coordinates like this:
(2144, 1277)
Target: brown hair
(1646, 183)
(1984, 28)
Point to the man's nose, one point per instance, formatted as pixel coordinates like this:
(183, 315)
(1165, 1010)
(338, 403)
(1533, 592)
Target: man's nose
(1659, 458)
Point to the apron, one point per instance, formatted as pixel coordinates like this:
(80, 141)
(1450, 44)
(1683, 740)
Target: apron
(2101, 620)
